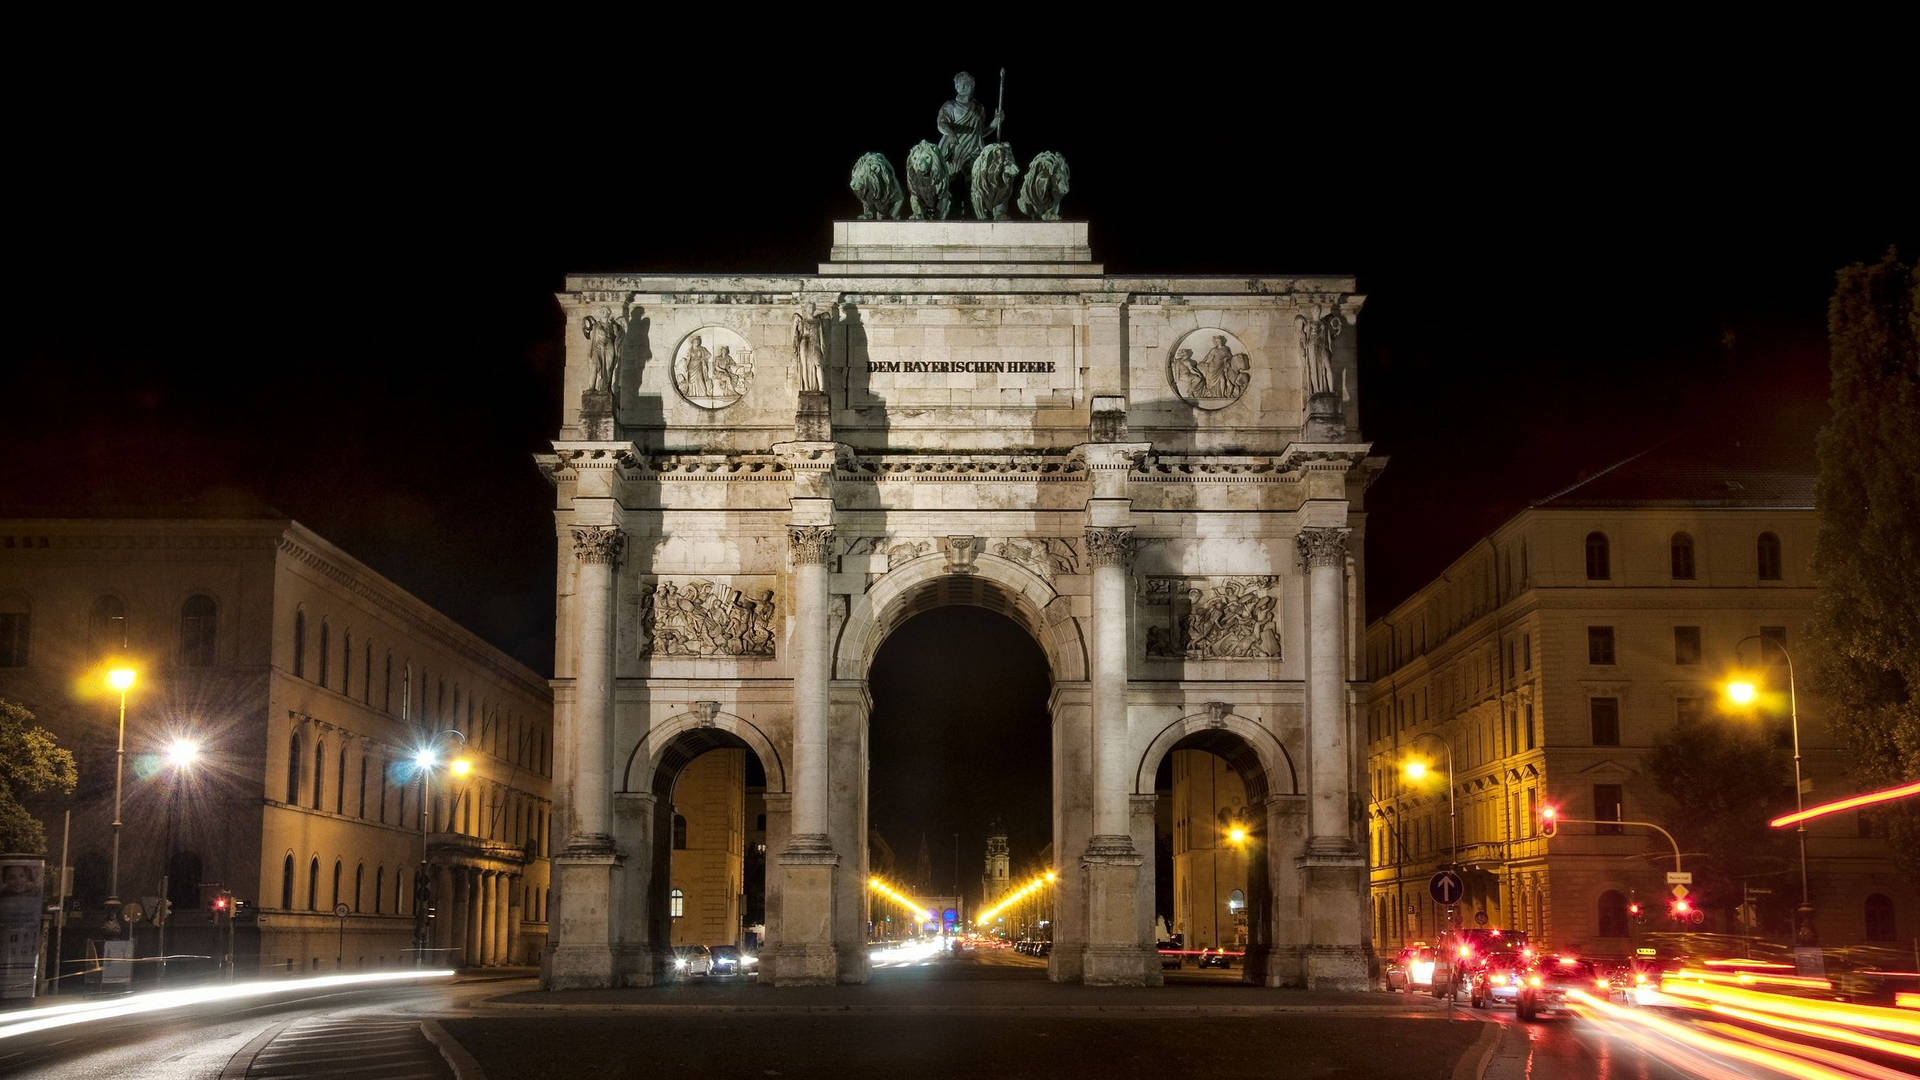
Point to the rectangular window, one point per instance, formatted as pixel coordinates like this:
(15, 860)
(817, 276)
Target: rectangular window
(1606, 807)
(1686, 644)
(1606, 721)
(1688, 710)
(1510, 667)
(13, 638)
(1529, 725)
(1599, 644)
(1533, 809)
(1526, 652)
(1513, 730)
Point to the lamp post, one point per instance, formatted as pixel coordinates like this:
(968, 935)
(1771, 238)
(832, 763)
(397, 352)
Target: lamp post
(1743, 691)
(1415, 769)
(425, 760)
(121, 679)
(180, 757)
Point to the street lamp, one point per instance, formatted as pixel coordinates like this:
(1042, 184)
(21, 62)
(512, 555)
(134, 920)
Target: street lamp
(181, 754)
(1416, 769)
(425, 760)
(121, 679)
(1743, 690)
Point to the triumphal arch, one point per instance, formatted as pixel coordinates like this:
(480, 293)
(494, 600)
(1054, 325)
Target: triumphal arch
(760, 476)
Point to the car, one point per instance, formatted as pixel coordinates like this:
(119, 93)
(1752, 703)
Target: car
(1218, 958)
(692, 960)
(729, 960)
(1549, 982)
(1461, 952)
(1498, 979)
(1413, 968)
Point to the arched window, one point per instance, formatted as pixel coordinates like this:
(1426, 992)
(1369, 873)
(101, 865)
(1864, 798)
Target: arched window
(1768, 552)
(406, 691)
(1236, 902)
(676, 904)
(319, 770)
(679, 832)
(359, 878)
(336, 883)
(16, 619)
(293, 771)
(340, 783)
(346, 662)
(1880, 918)
(386, 769)
(1681, 547)
(379, 888)
(286, 884)
(313, 884)
(363, 788)
(324, 631)
(1599, 562)
(299, 644)
(366, 675)
(399, 878)
(386, 688)
(197, 618)
(107, 632)
(1613, 914)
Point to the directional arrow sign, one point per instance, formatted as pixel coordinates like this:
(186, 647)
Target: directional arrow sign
(1680, 892)
(1679, 877)
(1446, 888)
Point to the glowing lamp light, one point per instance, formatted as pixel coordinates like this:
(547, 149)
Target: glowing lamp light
(1051, 877)
(1741, 692)
(182, 752)
(1237, 834)
(461, 766)
(121, 679)
(424, 759)
(1415, 769)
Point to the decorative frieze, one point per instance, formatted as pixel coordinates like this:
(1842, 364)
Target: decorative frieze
(1112, 546)
(1323, 547)
(1044, 555)
(701, 617)
(598, 543)
(1211, 618)
(809, 543)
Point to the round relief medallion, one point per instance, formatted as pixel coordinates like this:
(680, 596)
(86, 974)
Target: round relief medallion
(1209, 368)
(712, 367)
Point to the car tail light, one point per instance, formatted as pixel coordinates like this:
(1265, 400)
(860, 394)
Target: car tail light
(1499, 980)
(1534, 981)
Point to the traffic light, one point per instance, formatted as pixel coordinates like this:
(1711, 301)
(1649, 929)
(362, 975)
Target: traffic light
(1549, 821)
(1680, 909)
(222, 904)
(1635, 911)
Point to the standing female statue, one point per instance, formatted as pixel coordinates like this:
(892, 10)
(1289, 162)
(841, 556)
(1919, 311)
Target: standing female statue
(963, 125)
(810, 348)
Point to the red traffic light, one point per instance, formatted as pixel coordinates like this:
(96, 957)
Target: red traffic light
(1681, 908)
(1634, 909)
(222, 903)
(1549, 821)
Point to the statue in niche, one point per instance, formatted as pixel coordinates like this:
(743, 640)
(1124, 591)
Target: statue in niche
(810, 348)
(702, 618)
(1317, 336)
(874, 184)
(604, 333)
(1214, 367)
(963, 126)
(696, 370)
(994, 174)
(929, 183)
(1235, 620)
(1045, 186)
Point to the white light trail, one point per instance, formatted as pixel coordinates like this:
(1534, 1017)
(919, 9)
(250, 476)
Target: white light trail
(58, 1016)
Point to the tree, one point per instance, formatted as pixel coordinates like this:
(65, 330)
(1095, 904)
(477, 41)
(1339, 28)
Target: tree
(1867, 558)
(1727, 777)
(30, 764)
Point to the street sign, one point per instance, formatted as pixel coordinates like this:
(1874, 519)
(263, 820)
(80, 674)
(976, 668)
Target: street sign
(1680, 892)
(1751, 891)
(1679, 877)
(1446, 888)
(341, 911)
(1480, 917)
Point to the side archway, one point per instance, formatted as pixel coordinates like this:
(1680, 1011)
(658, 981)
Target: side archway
(1254, 751)
(991, 581)
(667, 748)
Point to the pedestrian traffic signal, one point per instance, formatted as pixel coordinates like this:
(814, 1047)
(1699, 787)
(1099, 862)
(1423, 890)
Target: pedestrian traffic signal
(222, 905)
(1549, 821)
(1636, 911)
(1681, 908)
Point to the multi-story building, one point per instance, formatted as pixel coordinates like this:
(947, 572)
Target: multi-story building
(709, 849)
(1548, 662)
(996, 872)
(309, 685)
(1210, 834)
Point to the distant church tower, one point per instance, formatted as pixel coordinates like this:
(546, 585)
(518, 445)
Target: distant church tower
(923, 867)
(994, 884)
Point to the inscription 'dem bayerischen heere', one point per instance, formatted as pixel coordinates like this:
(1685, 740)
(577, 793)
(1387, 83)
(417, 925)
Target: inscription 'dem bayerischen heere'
(962, 367)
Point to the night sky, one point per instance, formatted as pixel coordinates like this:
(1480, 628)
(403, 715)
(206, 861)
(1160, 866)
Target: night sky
(324, 280)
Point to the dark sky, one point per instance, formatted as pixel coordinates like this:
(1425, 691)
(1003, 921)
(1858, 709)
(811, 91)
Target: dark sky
(323, 274)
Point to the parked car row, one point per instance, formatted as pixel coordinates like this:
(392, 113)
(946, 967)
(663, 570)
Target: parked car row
(716, 960)
(1034, 948)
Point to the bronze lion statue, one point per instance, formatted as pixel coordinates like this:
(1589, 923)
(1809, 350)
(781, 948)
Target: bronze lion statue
(1045, 186)
(879, 192)
(927, 179)
(994, 175)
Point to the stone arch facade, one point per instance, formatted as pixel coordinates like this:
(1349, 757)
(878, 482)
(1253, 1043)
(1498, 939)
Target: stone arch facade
(1177, 524)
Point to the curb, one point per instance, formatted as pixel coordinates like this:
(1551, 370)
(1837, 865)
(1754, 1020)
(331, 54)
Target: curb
(458, 1059)
(705, 1008)
(238, 1065)
(1473, 1064)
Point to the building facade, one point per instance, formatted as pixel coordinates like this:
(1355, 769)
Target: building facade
(308, 684)
(1160, 478)
(709, 849)
(1547, 665)
(1210, 836)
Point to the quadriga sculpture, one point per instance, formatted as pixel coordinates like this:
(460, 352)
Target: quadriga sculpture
(1044, 187)
(928, 181)
(994, 175)
(874, 184)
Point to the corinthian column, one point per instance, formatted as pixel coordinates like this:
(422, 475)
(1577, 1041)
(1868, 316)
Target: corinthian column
(1324, 551)
(598, 549)
(1110, 551)
(808, 545)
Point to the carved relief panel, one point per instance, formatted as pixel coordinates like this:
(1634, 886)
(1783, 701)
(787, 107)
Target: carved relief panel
(1210, 618)
(1209, 368)
(701, 617)
(712, 367)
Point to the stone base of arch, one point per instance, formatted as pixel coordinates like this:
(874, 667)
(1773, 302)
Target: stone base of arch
(583, 956)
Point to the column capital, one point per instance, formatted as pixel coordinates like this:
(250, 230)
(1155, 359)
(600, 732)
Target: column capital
(808, 544)
(1110, 545)
(598, 543)
(1323, 547)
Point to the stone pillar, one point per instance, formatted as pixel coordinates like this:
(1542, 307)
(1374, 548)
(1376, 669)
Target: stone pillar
(497, 949)
(516, 913)
(476, 917)
(847, 825)
(640, 924)
(1334, 870)
(462, 916)
(1111, 862)
(806, 953)
(1142, 807)
(440, 936)
(582, 950)
(779, 828)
